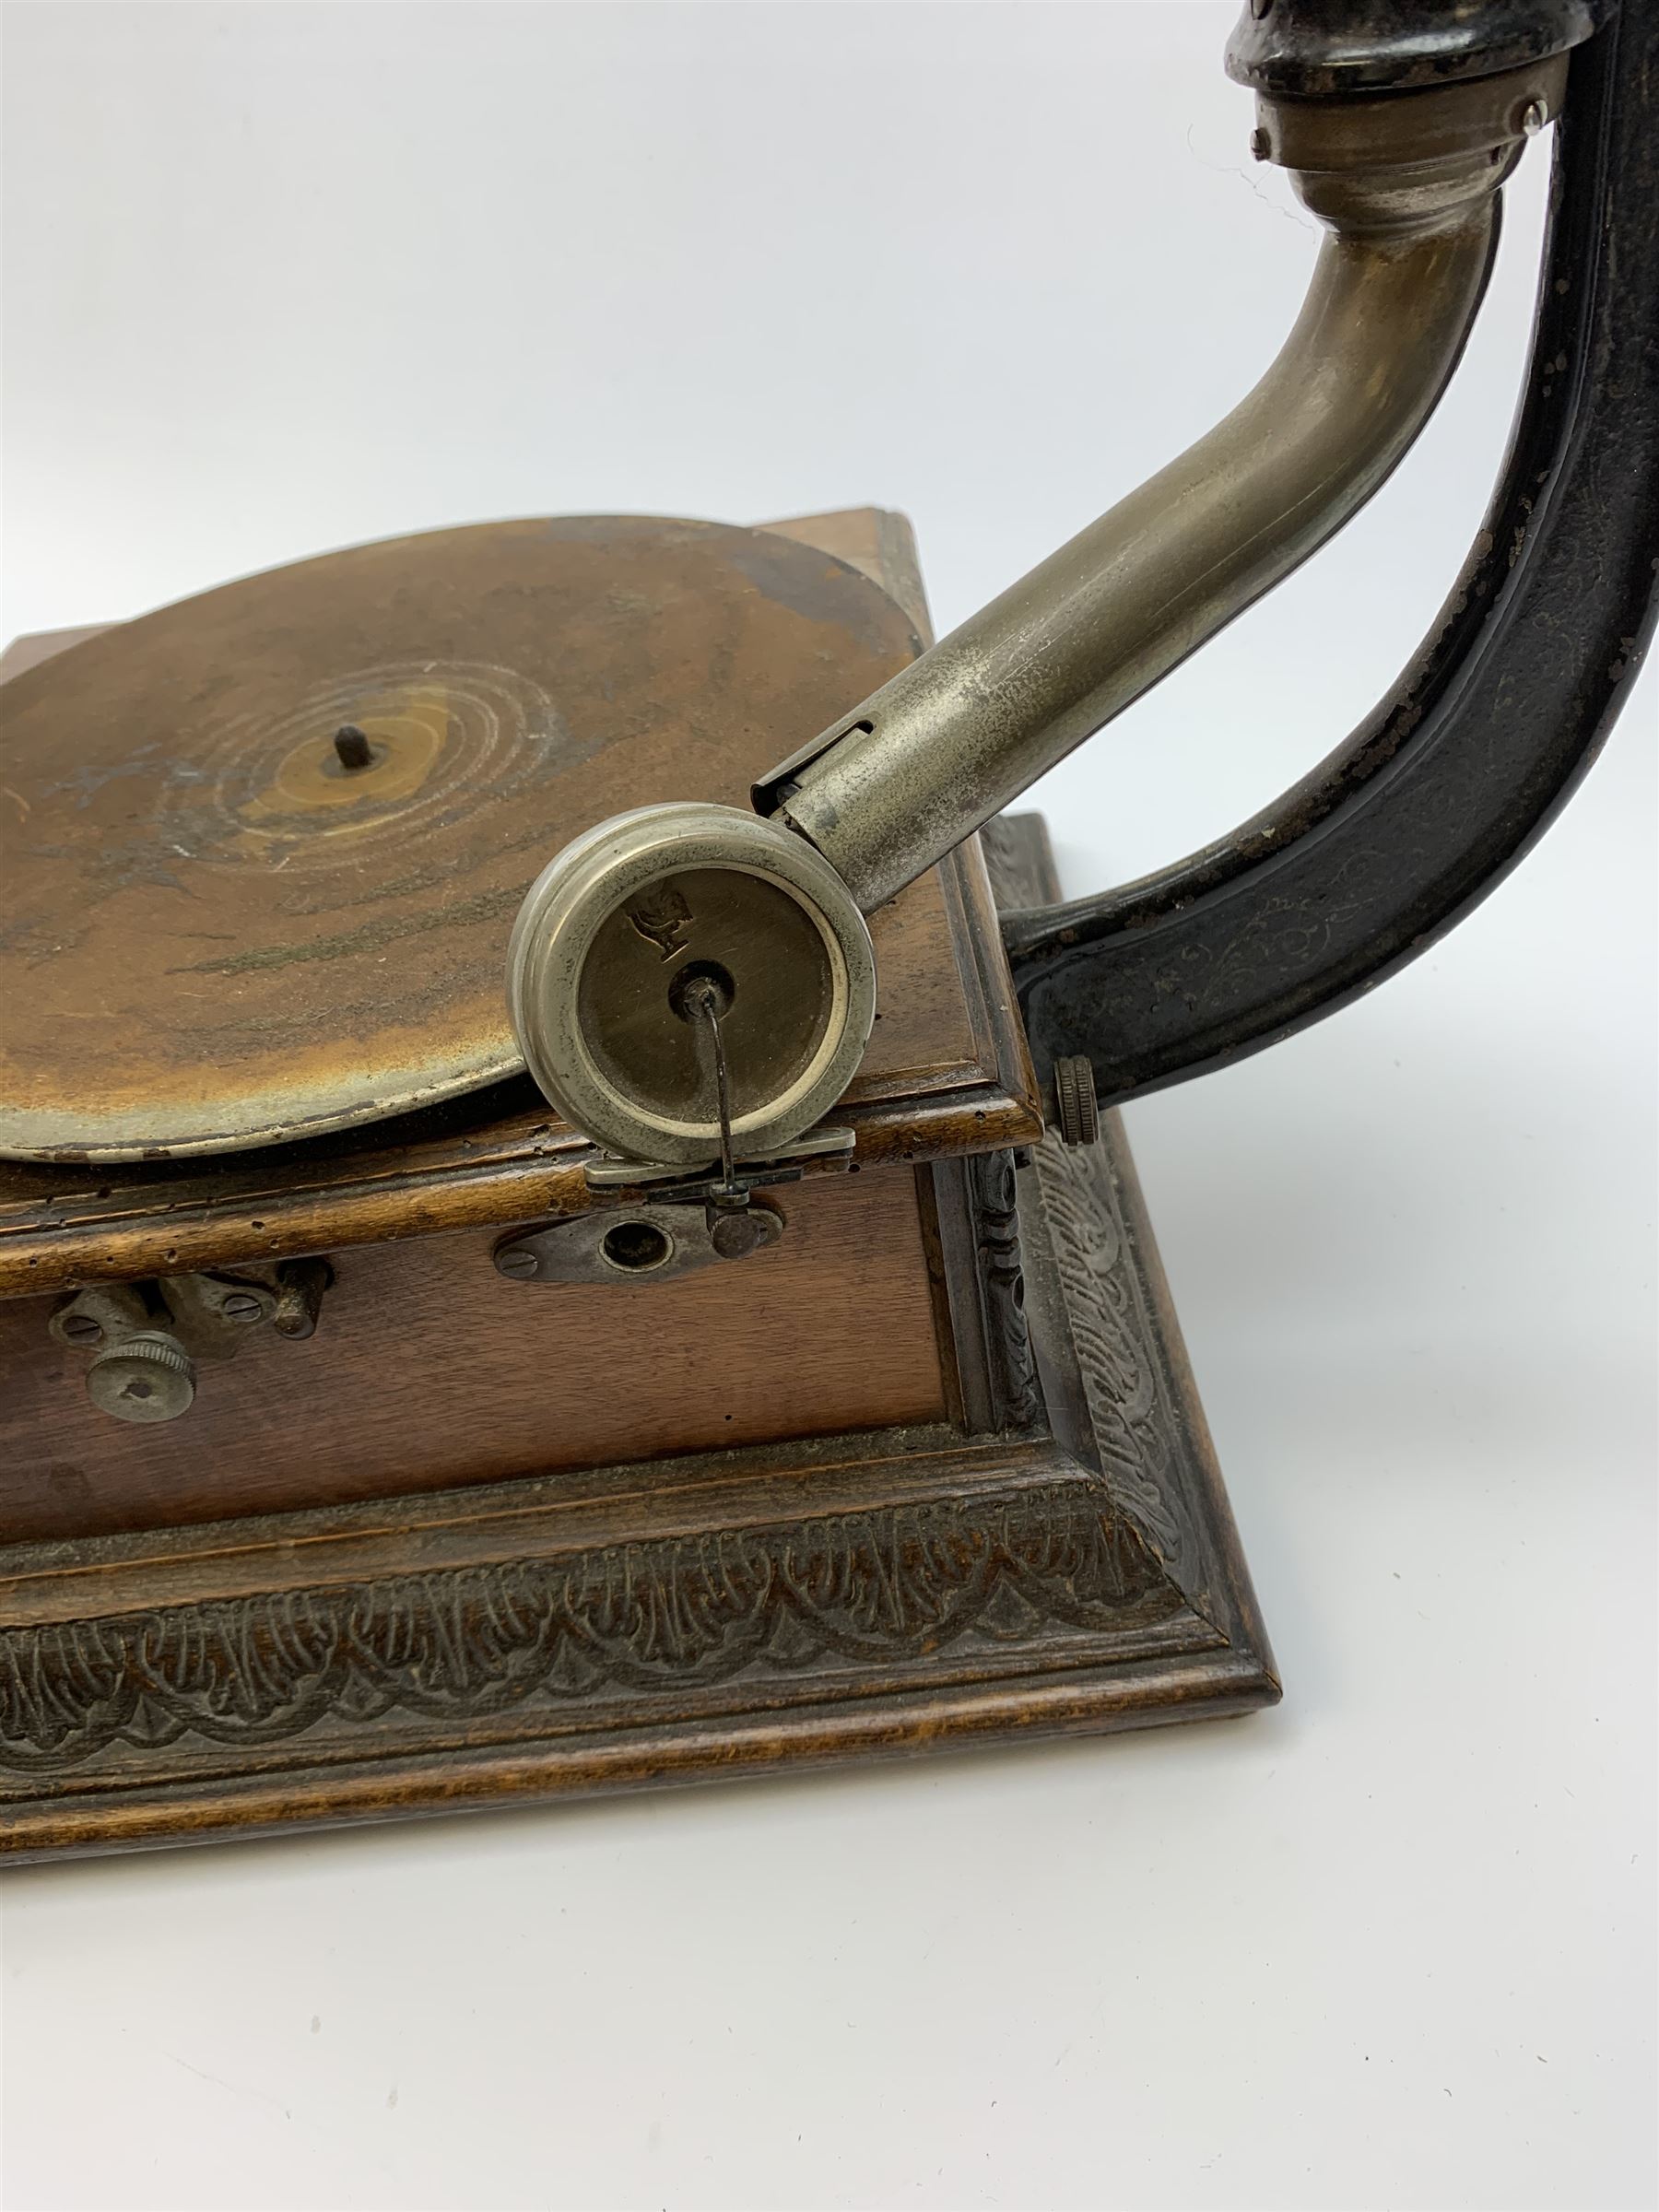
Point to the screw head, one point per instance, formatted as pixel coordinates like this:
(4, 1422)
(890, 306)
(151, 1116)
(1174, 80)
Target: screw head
(735, 1234)
(241, 1305)
(516, 1263)
(1533, 116)
(81, 1328)
(1261, 145)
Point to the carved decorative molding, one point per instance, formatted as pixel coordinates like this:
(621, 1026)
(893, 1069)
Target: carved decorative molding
(1134, 1430)
(1079, 1571)
(1123, 1392)
(1016, 1401)
(874, 1589)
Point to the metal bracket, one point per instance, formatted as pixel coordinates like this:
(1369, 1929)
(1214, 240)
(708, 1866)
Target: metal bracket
(612, 1172)
(681, 1220)
(656, 1240)
(146, 1337)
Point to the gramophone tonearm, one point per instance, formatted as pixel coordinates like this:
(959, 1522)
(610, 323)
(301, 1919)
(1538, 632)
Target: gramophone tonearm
(1407, 183)
(498, 1478)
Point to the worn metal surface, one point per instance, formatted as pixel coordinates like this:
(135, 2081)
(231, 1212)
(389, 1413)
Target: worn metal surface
(146, 1377)
(1381, 130)
(140, 1369)
(1409, 187)
(216, 933)
(825, 1146)
(1321, 49)
(147, 1336)
(1077, 1111)
(616, 926)
(300, 1289)
(1446, 785)
(658, 1241)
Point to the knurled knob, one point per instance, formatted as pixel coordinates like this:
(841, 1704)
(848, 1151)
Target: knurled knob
(146, 1377)
(1078, 1113)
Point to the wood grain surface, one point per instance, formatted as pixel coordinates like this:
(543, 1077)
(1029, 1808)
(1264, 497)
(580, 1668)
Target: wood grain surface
(947, 1073)
(431, 1369)
(689, 1615)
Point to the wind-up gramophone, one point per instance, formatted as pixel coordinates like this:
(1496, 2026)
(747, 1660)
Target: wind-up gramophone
(785, 1372)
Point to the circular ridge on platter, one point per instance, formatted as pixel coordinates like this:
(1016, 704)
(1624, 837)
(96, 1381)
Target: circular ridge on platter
(273, 789)
(263, 849)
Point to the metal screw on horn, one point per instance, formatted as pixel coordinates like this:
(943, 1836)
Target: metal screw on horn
(1076, 1109)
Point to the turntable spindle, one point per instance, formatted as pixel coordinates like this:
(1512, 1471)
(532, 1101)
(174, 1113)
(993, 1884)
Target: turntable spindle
(352, 748)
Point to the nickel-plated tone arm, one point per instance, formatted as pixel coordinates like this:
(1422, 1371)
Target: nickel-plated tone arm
(1412, 819)
(1399, 123)
(1407, 184)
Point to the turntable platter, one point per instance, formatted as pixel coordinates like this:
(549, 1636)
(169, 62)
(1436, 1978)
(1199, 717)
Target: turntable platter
(263, 849)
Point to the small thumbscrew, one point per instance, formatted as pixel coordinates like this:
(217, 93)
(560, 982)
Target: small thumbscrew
(1077, 1109)
(1533, 116)
(1261, 146)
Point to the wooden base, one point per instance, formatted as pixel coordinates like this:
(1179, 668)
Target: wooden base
(1070, 1567)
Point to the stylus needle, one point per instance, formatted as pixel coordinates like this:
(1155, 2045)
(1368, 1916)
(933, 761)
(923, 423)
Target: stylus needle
(702, 1003)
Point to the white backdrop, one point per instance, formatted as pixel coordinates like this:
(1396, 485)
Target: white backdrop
(279, 277)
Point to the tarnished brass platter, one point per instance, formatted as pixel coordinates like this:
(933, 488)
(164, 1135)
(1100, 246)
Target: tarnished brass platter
(220, 928)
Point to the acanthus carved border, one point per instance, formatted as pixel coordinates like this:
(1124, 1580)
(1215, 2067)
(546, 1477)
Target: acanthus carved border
(1139, 1445)
(876, 1589)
